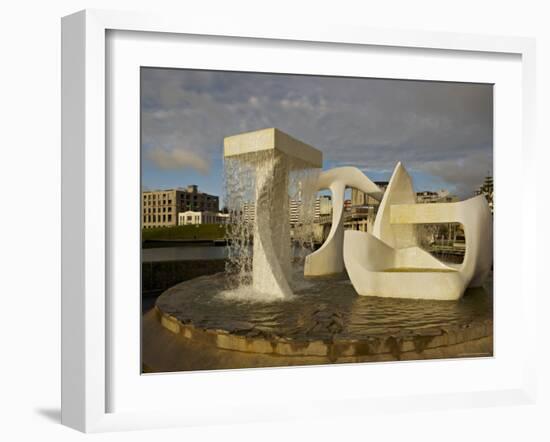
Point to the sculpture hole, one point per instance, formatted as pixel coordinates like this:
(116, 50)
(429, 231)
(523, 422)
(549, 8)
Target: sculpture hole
(445, 242)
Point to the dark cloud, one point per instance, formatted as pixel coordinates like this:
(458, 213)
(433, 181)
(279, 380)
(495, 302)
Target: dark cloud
(442, 129)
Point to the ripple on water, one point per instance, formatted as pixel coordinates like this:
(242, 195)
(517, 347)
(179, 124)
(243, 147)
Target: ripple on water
(320, 309)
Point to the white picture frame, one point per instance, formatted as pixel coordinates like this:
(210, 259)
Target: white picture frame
(86, 350)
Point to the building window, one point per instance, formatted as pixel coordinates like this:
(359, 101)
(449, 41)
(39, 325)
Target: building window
(170, 218)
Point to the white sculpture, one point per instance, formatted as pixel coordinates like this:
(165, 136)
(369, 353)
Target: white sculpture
(273, 154)
(386, 263)
(389, 263)
(399, 191)
(329, 258)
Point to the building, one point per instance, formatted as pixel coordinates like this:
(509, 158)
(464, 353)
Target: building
(295, 208)
(222, 218)
(160, 208)
(441, 196)
(362, 211)
(193, 217)
(323, 206)
(347, 205)
(361, 199)
(249, 212)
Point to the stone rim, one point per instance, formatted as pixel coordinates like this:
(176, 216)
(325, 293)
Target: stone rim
(394, 344)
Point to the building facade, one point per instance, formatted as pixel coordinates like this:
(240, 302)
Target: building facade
(362, 211)
(194, 218)
(361, 199)
(323, 206)
(441, 196)
(160, 208)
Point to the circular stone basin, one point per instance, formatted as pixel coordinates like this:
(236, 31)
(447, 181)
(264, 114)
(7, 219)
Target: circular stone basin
(325, 318)
(417, 270)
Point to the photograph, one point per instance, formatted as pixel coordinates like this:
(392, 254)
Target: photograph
(298, 220)
(275, 221)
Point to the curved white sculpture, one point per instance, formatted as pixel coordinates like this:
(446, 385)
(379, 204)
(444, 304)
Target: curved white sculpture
(388, 263)
(329, 259)
(399, 191)
(271, 269)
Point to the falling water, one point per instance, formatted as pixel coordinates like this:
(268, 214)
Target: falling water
(239, 184)
(303, 191)
(245, 175)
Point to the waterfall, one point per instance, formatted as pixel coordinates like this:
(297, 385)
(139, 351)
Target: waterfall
(259, 188)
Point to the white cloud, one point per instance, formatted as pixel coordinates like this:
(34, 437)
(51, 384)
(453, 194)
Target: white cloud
(178, 158)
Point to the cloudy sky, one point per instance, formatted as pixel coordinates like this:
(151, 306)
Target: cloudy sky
(441, 132)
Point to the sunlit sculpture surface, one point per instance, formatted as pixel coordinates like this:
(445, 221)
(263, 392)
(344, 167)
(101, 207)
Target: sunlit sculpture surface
(389, 263)
(329, 258)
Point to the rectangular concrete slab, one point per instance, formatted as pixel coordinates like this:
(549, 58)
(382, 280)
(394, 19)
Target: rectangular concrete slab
(424, 213)
(271, 138)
